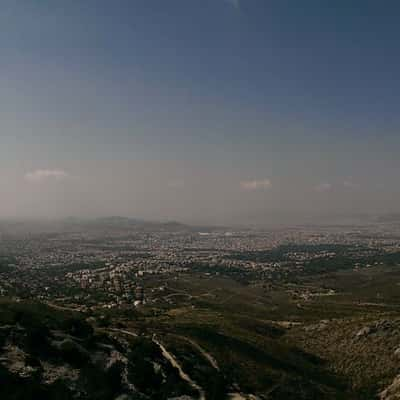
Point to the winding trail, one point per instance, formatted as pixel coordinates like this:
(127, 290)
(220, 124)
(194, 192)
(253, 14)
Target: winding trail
(203, 352)
(123, 331)
(170, 357)
(61, 308)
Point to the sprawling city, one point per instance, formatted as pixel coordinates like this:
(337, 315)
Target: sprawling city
(207, 312)
(199, 200)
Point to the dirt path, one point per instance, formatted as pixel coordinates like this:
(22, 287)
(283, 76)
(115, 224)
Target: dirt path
(62, 308)
(170, 357)
(203, 352)
(123, 331)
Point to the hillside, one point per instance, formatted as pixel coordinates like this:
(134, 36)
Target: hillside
(52, 354)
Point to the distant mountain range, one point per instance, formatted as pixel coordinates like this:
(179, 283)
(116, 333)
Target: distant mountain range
(118, 223)
(112, 223)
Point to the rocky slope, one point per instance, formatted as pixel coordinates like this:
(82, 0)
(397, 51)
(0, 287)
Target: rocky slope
(49, 355)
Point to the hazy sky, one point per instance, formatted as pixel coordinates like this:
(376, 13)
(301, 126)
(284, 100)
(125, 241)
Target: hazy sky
(199, 110)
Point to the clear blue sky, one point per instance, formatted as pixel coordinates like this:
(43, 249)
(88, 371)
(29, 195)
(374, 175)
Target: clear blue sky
(199, 110)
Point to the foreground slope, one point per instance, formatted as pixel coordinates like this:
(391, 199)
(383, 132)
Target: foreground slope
(53, 354)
